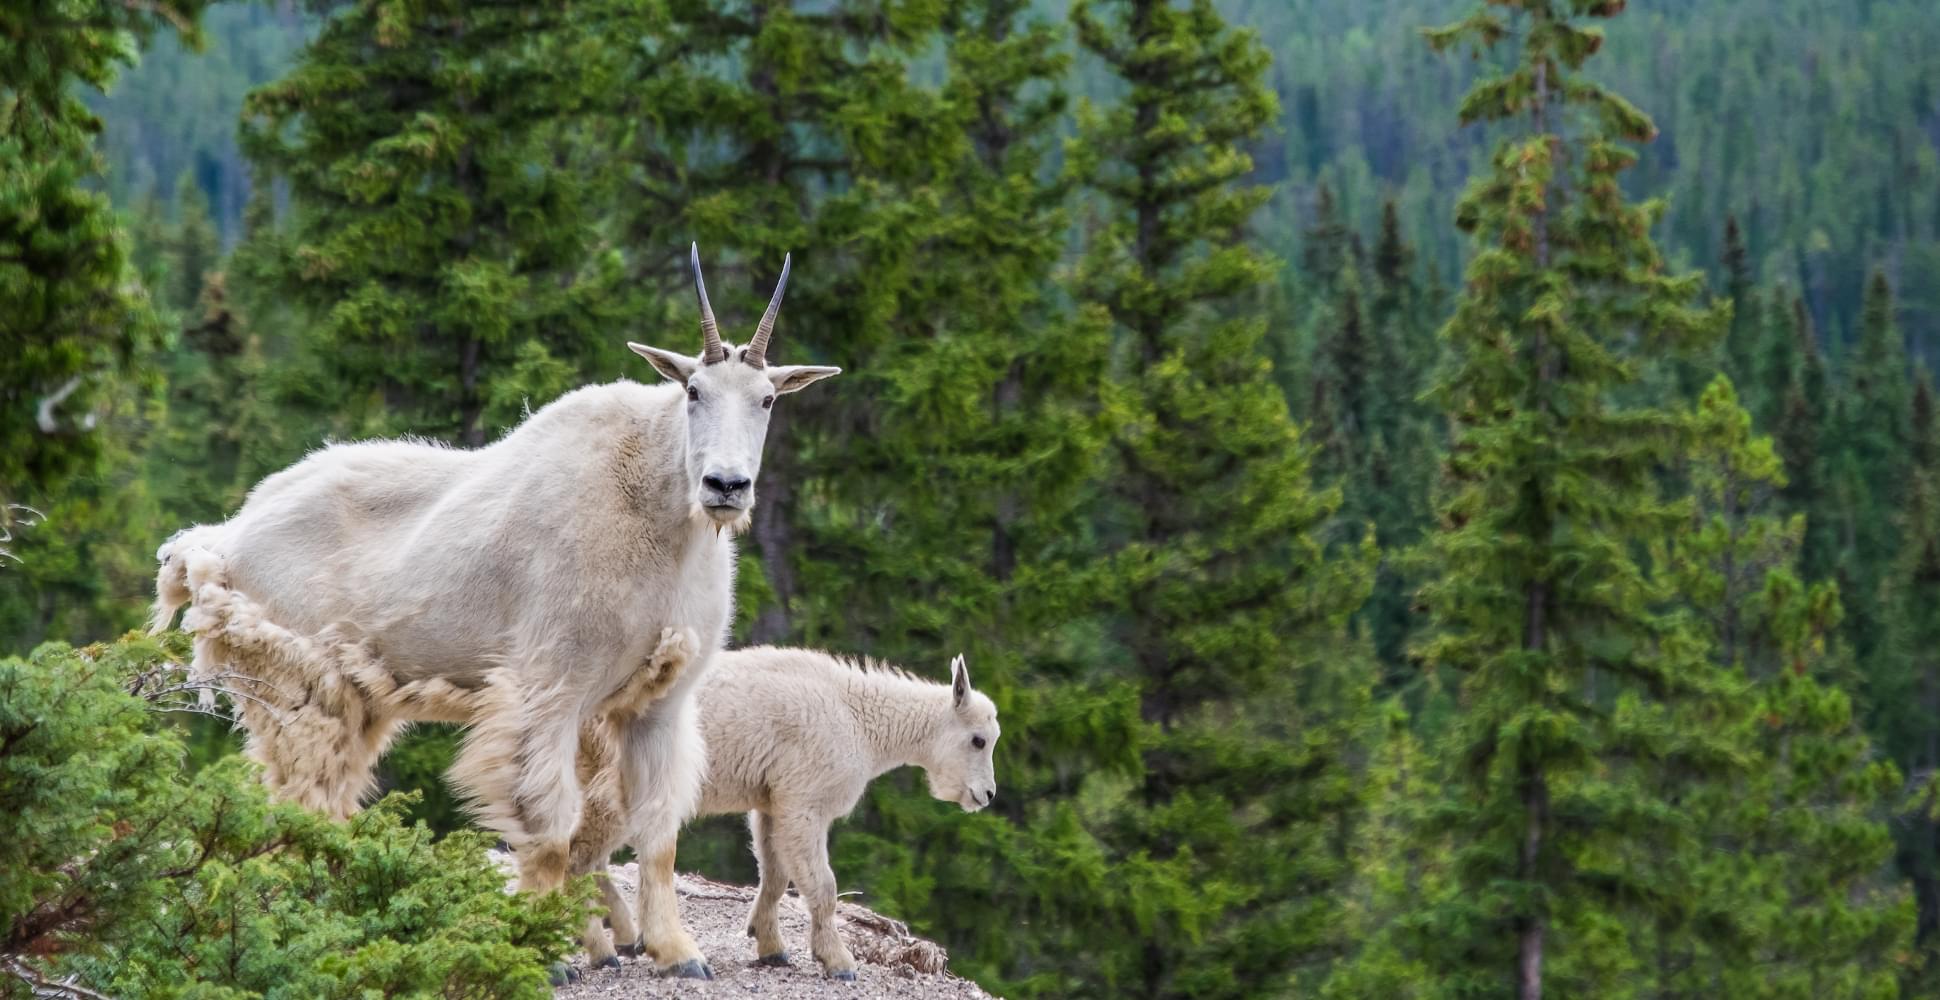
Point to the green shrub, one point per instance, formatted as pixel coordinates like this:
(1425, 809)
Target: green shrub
(130, 873)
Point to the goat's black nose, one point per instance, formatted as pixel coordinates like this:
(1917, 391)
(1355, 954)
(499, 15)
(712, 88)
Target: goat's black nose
(725, 484)
(990, 796)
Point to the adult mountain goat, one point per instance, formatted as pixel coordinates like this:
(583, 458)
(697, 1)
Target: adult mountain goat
(794, 736)
(576, 569)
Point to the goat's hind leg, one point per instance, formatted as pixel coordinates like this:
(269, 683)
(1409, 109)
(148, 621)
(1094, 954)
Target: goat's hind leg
(599, 833)
(518, 766)
(804, 847)
(310, 703)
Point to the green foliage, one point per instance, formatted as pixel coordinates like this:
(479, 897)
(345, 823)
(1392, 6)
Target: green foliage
(1220, 580)
(1793, 895)
(1372, 358)
(1810, 122)
(71, 316)
(437, 228)
(1587, 706)
(133, 877)
(1905, 676)
(1122, 419)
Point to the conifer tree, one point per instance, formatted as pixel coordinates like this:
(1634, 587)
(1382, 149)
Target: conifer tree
(1396, 865)
(72, 315)
(1906, 674)
(1402, 458)
(1397, 309)
(1789, 901)
(442, 240)
(1577, 688)
(148, 240)
(1346, 407)
(132, 874)
(1871, 443)
(1220, 587)
(194, 247)
(1800, 429)
(1328, 247)
(1740, 352)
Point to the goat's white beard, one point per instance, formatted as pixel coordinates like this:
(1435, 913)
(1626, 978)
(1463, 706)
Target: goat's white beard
(735, 528)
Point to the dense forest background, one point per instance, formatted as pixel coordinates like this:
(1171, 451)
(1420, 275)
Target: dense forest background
(1403, 535)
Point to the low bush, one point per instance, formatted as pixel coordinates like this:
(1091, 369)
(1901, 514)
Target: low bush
(124, 871)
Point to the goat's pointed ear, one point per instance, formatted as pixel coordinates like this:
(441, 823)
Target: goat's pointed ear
(959, 681)
(676, 367)
(794, 378)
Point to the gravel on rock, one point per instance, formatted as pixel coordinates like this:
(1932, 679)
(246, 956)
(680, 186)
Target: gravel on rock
(890, 962)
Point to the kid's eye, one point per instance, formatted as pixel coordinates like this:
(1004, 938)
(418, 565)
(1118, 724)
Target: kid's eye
(766, 403)
(976, 741)
(693, 394)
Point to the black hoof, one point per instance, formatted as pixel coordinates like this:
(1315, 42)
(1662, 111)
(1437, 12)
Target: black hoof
(560, 974)
(609, 962)
(693, 968)
(778, 958)
(634, 950)
(846, 975)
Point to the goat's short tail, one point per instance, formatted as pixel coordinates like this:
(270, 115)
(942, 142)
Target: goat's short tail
(172, 588)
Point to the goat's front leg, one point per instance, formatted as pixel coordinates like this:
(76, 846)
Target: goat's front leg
(803, 841)
(764, 923)
(661, 766)
(672, 948)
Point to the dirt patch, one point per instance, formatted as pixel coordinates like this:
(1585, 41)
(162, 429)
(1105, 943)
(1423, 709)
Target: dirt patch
(890, 961)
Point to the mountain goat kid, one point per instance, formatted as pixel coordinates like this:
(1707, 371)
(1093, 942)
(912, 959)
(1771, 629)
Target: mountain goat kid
(794, 736)
(576, 569)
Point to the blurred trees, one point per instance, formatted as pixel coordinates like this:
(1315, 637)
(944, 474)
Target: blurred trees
(1145, 410)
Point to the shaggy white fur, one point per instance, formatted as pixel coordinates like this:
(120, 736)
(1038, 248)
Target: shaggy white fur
(794, 736)
(576, 573)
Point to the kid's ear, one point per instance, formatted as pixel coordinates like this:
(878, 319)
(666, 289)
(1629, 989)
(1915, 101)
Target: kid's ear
(959, 681)
(671, 366)
(794, 378)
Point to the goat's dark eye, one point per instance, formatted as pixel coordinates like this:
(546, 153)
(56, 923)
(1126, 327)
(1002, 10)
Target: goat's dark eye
(766, 403)
(976, 741)
(693, 394)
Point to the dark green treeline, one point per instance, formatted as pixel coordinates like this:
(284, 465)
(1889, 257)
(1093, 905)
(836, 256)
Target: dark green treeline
(1401, 573)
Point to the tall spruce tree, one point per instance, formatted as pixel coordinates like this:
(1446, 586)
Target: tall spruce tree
(1740, 351)
(442, 238)
(1871, 440)
(72, 312)
(1906, 674)
(1789, 900)
(1577, 685)
(193, 247)
(1797, 390)
(1403, 456)
(1221, 589)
